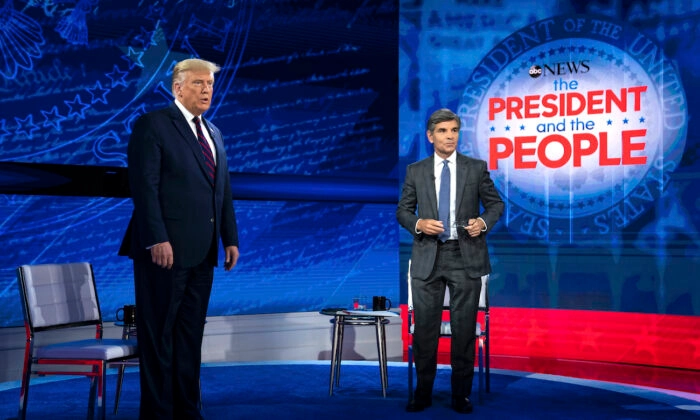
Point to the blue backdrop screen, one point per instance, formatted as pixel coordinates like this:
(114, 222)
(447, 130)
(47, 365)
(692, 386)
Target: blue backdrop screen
(306, 100)
(582, 111)
(285, 266)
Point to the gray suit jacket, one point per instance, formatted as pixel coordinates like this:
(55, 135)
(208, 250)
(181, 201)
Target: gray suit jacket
(474, 187)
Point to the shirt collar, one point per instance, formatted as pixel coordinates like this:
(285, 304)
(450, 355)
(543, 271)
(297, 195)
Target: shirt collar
(188, 115)
(451, 158)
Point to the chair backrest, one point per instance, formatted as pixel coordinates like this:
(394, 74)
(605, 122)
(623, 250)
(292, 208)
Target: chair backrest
(483, 296)
(58, 295)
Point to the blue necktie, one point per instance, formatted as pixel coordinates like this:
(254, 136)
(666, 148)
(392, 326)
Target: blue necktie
(444, 201)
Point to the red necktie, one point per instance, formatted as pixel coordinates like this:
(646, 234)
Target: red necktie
(206, 150)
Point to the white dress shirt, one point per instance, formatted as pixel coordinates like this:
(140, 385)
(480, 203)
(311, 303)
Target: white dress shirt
(437, 174)
(452, 164)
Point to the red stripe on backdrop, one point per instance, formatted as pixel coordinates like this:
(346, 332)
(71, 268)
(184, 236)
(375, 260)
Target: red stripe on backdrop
(599, 336)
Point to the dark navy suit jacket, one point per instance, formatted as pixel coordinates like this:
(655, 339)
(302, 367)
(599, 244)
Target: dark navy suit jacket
(173, 197)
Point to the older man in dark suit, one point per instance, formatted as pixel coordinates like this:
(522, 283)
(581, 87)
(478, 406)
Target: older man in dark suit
(180, 186)
(446, 189)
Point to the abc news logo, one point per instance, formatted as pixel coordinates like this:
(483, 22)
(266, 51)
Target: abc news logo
(559, 69)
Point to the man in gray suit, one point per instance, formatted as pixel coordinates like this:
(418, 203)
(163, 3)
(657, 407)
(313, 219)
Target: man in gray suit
(449, 250)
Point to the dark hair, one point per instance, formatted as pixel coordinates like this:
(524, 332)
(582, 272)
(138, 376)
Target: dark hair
(442, 115)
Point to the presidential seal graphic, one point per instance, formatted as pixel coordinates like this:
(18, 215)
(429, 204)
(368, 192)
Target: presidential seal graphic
(581, 119)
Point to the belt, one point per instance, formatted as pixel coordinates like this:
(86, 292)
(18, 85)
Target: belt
(448, 242)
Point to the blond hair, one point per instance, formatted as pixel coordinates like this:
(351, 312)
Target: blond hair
(191, 64)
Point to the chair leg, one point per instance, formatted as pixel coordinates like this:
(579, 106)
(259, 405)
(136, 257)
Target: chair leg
(118, 389)
(488, 368)
(410, 372)
(92, 396)
(102, 392)
(481, 371)
(24, 390)
(200, 406)
(487, 349)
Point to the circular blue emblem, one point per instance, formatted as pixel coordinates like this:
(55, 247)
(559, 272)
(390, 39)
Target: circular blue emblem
(581, 119)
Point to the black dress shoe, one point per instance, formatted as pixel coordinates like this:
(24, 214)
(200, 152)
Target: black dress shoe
(418, 405)
(462, 405)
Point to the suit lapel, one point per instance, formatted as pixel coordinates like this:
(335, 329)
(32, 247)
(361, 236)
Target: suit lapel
(429, 179)
(218, 146)
(462, 169)
(218, 142)
(183, 127)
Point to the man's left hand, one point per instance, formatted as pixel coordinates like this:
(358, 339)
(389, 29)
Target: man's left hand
(231, 257)
(475, 227)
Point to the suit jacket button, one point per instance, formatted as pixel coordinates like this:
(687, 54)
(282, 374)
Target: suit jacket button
(211, 220)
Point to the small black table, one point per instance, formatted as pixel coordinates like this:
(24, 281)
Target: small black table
(341, 318)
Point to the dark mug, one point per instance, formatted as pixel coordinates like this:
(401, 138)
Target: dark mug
(380, 303)
(128, 314)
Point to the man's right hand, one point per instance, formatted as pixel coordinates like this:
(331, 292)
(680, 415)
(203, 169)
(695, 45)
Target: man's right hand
(430, 226)
(162, 255)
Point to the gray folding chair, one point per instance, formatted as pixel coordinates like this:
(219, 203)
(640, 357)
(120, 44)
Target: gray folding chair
(63, 297)
(482, 335)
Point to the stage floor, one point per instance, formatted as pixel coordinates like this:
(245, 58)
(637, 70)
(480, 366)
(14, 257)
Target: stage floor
(683, 380)
(284, 390)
